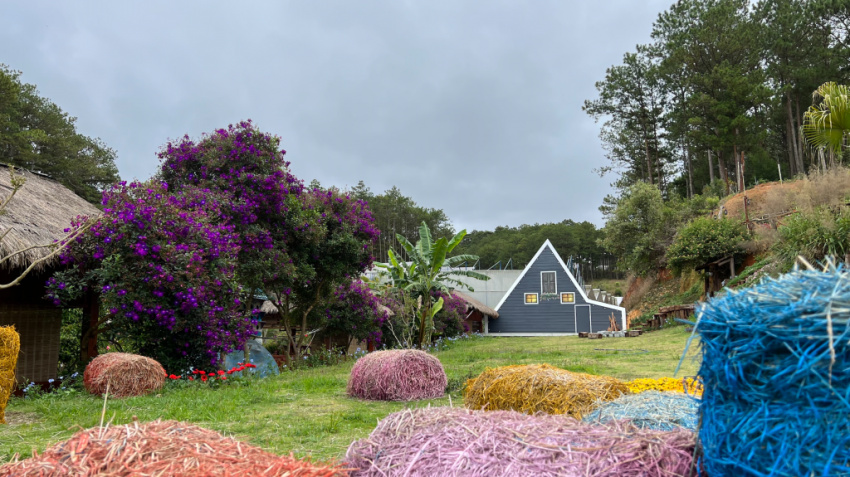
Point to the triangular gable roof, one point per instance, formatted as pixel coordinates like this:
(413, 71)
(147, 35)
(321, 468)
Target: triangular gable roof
(547, 243)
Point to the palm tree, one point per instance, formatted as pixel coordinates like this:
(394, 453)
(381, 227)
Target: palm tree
(424, 273)
(826, 125)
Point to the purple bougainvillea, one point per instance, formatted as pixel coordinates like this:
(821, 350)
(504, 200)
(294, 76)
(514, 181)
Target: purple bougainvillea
(177, 259)
(355, 312)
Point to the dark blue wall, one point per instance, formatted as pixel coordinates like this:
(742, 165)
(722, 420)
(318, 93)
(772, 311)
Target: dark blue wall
(549, 315)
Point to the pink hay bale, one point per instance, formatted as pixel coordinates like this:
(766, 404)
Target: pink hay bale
(449, 441)
(127, 375)
(397, 375)
(161, 448)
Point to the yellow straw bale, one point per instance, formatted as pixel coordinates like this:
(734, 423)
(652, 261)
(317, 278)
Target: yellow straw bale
(10, 346)
(682, 385)
(540, 388)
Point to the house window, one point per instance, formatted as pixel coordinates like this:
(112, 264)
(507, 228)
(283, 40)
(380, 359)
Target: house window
(531, 298)
(568, 298)
(547, 281)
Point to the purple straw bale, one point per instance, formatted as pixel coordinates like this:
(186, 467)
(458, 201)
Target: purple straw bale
(449, 441)
(397, 375)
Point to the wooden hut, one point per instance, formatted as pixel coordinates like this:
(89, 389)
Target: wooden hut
(475, 313)
(36, 216)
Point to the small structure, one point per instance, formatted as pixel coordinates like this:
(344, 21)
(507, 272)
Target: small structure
(37, 215)
(546, 300)
(475, 313)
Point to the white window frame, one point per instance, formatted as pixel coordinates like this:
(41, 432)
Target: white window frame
(556, 280)
(561, 298)
(536, 302)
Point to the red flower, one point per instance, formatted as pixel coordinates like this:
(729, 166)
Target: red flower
(191, 378)
(173, 377)
(204, 378)
(203, 373)
(224, 378)
(220, 372)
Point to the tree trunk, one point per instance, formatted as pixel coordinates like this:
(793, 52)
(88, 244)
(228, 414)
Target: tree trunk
(798, 158)
(792, 164)
(737, 168)
(426, 309)
(710, 168)
(724, 174)
(649, 168)
(690, 170)
(799, 125)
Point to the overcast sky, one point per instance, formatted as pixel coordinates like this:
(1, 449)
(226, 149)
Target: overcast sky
(473, 107)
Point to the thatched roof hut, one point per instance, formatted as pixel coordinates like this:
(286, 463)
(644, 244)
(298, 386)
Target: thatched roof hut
(476, 312)
(473, 304)
(37, 215)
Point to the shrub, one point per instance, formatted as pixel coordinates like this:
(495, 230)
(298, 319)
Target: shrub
(815, 235)
(703, 240)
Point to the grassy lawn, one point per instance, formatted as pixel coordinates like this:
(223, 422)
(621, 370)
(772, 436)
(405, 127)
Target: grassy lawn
(307, 412)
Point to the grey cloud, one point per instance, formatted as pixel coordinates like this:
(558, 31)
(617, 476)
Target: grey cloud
(472, 107)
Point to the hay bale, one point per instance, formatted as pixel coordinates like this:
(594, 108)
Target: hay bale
(448, 441)
(776, 369)
(540, 388)
(683, 385)
(127, 375)
(397, 375)
(160, 448)
(662, 411)
(10, 346)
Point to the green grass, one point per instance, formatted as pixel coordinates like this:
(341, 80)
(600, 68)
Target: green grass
(307, 412)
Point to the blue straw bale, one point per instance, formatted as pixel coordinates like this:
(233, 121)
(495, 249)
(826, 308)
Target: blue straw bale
(776, 369)
(659, 410)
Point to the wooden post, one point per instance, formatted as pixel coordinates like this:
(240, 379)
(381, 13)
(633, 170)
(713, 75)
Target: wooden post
(88, 332)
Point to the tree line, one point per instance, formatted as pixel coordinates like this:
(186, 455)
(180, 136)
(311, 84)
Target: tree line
(720, 94)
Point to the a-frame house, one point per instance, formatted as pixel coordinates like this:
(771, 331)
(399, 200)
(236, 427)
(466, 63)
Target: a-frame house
(546, 300)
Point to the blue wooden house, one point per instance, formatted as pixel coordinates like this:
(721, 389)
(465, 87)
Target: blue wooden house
(546, 300)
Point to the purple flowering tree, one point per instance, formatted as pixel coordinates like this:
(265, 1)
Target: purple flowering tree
(178, 259)
(165, 266)
(296, 245)
(354, 312)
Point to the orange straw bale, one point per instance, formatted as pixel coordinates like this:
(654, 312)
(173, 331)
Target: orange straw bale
(161, 448)
(127, 375)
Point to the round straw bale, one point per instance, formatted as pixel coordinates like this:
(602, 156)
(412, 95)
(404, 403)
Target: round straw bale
(449, 441)
(160, 448)
(540, 388)
(10, 345)
(397, 375)
(684, 385)
(659, 410)
(126, 374)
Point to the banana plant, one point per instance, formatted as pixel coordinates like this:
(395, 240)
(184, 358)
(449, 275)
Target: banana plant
(826, 125)
(424, 272)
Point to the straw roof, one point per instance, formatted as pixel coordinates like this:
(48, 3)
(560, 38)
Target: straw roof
(475, 304)
(269, 308)
(37, 215)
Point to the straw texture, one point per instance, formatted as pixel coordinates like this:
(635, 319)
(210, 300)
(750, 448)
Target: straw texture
(659, 410)
(776, 368)
(161, 448)
(540, 388)
(127, 375)
(10, 346)
(685, 385)
(397, 375)
(444, 441)
(37, 215)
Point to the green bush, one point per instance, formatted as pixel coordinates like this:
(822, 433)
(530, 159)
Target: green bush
(815, 235)
(703, 240)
